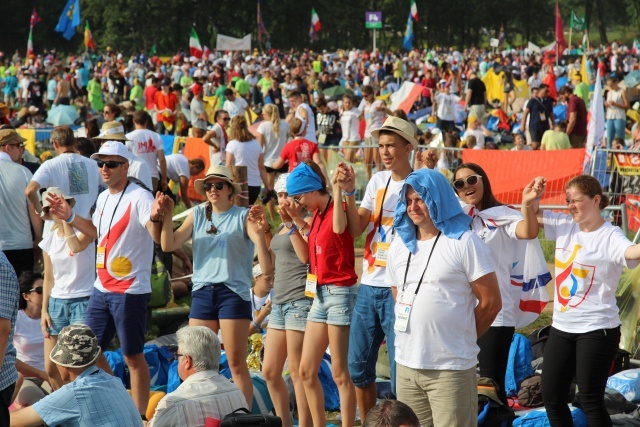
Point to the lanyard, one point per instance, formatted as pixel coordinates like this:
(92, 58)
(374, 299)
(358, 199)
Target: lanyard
(384, 195)
(112, 215)
(404, 285)
(315, 243)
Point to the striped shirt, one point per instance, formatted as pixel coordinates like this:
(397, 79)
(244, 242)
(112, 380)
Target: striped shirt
(203, 395)
(9, 297)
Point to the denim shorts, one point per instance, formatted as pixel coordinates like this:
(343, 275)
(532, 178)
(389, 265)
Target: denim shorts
(215, 302)
(291, 316)
(333, 305)
(65, 312)
(109, 313)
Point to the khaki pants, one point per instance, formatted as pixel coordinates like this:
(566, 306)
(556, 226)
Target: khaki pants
(480, 112)
(440, 398)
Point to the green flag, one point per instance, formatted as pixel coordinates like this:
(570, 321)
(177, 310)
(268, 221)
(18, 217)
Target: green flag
(577, 24)
(152, 51)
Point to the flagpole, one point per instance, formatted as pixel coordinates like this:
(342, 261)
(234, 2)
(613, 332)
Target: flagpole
(570, 34)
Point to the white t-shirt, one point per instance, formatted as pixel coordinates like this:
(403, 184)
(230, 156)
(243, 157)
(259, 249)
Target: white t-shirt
(177, 166)
(29, 341)
(129, 247)
(15, 225)
(235, 107)
(273, 144)
(479, 137)
(500, 241)
(588, 268)
(373, 275)
(73, 274)
(350, 123)
(216, 158)
(373, 118)
(247, 154)
(139, 170)
(445, 103)
(257, 303)
(75, 175)
(311, 121)
(145, 144)
(441, 333)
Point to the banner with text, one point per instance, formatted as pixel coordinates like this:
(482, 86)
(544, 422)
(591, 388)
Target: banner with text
(232, 43)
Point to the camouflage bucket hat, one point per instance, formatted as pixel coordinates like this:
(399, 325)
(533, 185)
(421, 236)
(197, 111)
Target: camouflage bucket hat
(77, 347)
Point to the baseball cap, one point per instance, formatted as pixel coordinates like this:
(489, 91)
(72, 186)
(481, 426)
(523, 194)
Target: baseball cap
(113, 148)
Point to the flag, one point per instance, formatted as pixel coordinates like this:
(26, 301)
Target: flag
(88, 37)
(206, 52)
(584, 71)
(69, 19)
(414, 10)
(585, 41)
(35, 18)
(195, 49)
(315, 21)
(404, 98)
(576, 23)
(560, 40)
(262, 30)
(152, 51)
(501, 39)
(595, 128)
(30, 42)
(634, 48)
(407, 43)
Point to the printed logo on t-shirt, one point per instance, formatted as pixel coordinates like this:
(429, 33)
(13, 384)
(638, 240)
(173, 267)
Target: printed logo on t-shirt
(573, 280)
(118, 267)
(78, 179)
(146, 146)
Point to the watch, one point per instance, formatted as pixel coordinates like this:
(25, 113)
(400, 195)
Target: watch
(288, 224)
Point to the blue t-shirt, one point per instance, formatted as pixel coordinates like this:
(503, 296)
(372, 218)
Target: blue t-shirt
(10, 84)
(225, 256)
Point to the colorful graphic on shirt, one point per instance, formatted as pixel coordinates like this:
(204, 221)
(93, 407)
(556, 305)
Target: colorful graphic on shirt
(573, 280)
(78, 179)
(111, 277)
(370, 247)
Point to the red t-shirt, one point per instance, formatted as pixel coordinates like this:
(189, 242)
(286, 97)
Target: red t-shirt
(576, 104)
(297, 151)
(332, 256)
(150, 96)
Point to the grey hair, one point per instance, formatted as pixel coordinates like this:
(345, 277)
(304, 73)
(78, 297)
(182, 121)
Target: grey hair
(202, 345)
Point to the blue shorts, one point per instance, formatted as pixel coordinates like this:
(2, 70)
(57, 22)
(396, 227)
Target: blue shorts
(109, 314)
(291, 316)
(65, 312)
(373, 320)
(333, 305)
(217, 302)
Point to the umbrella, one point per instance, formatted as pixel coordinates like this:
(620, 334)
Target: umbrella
(62, 115)
(334, 93)
(632, 79)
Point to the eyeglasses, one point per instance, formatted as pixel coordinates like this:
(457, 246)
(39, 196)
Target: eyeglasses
(226, 119)
(37, 290)
(106, 112)
(17, 144)
(207, 186)
(110, 164)
(177, 355)
(458, 184)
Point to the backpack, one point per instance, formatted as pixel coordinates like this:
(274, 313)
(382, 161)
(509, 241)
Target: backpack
(491, 411)
(160, 284)
(621, 362)
(159, 361)
(118, 367)
(538, 418)
(538, 340)
(530, 394)
(243, 418)
(518, 365)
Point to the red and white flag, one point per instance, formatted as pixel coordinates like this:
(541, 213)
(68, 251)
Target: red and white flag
(195, 48)
(414, 10)
(206, 52)
(315, 21)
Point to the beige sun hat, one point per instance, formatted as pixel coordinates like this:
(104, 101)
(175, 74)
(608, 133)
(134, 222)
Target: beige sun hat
(400, 127)
(112, 131)
(220, 172)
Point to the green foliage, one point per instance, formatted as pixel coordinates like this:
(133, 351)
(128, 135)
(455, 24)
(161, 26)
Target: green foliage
(131, 26)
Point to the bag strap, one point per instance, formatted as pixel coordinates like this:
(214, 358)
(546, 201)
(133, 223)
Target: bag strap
(245, 410)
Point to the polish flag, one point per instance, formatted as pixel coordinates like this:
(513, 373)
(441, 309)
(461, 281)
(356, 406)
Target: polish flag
(404, 98)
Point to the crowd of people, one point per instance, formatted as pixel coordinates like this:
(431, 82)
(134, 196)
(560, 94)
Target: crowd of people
(101, 208)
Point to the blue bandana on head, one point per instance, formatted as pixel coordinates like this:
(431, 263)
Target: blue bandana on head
(303, 180)
(444, 208)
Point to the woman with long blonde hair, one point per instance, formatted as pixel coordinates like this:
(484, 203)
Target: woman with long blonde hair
(244, 150)
(272, 135)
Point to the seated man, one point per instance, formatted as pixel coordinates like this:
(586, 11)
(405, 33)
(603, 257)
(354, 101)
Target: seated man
(92, 398)
(204, 393)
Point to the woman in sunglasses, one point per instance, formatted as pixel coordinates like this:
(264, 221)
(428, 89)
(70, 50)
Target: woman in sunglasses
(224, 238)
(500, 227)
(69, 274)
(330, 282)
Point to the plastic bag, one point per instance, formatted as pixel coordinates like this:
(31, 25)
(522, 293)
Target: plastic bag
(628, 301)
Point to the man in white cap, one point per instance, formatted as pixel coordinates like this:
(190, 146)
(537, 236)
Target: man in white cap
(125, 223)
(92, 398)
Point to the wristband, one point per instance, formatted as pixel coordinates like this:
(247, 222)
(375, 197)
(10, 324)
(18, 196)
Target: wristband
(256, 326)
(349, 194)
(71, 218)
(292, 230)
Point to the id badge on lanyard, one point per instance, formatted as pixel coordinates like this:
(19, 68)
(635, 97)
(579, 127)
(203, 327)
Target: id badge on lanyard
(403, 311)
(311, 285)
(100, 256)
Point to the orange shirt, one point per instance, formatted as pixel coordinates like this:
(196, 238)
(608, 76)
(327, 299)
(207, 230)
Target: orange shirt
(166, 101)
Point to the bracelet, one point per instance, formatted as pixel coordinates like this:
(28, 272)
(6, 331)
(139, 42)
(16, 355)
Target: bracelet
(70, 236)
(71, 218)
(349, 194)
(292, 230)
(156, 220)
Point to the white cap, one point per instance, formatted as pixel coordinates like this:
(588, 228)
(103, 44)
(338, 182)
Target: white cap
(113, 148)
(257, 271)
(281, 183)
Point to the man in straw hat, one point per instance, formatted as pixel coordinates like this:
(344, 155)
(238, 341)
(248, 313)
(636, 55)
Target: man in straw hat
(16, 239)
(91, 398)
(126, 223)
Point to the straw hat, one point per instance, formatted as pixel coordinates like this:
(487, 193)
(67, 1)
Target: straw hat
(112, 131)
(400, 127)
(220, 172)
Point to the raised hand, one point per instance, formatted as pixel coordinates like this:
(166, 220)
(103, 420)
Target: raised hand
(345, 177)
(534, 190)
(428, 159)
(58, 207)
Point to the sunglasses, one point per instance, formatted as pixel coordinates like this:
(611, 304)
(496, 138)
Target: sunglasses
(458, 184)
(106, 112)
(17, 144)
(111, 164)
(207, 186)
(226, 119)
(37, 290)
